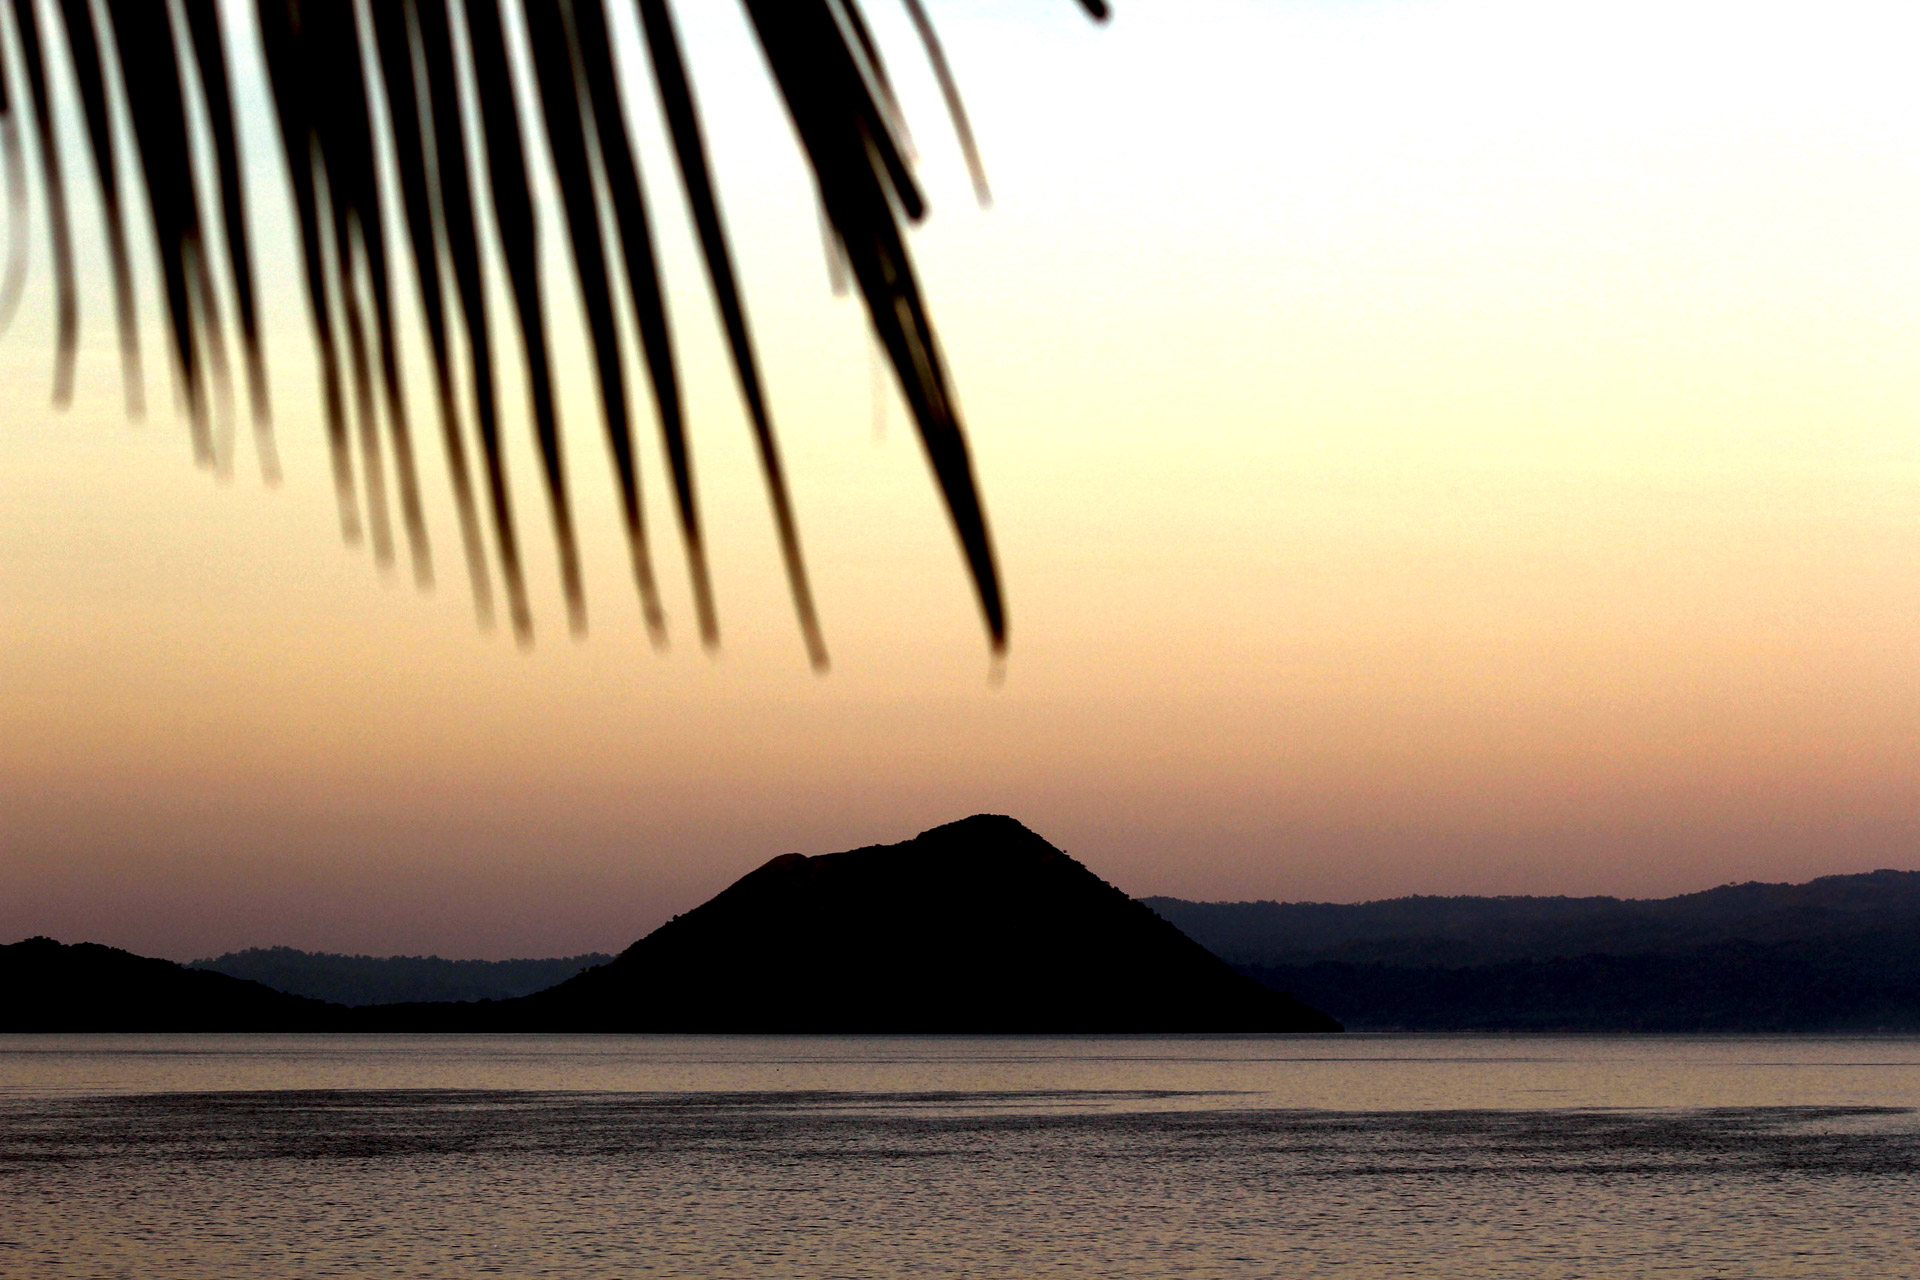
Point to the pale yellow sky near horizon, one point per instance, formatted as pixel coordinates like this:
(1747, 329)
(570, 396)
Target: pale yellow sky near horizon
(1435, 446)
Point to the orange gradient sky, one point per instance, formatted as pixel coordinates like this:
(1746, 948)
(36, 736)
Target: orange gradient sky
(1433, 447)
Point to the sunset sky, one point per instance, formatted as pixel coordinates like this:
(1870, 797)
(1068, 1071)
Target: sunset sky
(1433, 447)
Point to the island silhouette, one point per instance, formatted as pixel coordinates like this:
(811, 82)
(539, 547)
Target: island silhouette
(976, 927)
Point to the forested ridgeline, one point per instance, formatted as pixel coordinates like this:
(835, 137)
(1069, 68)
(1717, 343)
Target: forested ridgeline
(364, 980)
(1841, 953)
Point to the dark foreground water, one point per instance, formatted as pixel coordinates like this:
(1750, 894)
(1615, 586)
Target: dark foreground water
(1359, 1156)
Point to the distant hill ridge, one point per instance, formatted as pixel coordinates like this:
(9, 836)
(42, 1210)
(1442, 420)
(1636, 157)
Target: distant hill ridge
(1481, 930)
(48, 986)
(364, 980)
(1840, 953)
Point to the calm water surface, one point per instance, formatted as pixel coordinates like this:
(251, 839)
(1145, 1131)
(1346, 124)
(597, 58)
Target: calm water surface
(196, 1157)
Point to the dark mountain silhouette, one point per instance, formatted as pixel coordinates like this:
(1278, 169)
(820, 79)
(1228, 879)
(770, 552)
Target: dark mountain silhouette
(1841, 953)
(978, 926)
(364, 980)
(45, 986)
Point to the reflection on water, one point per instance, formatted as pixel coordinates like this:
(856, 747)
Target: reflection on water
(1543, 1157)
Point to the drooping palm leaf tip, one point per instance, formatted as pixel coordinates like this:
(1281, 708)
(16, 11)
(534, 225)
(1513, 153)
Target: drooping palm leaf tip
(339, 112)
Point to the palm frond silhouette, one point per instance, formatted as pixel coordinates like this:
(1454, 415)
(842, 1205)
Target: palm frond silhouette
(339, 110)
